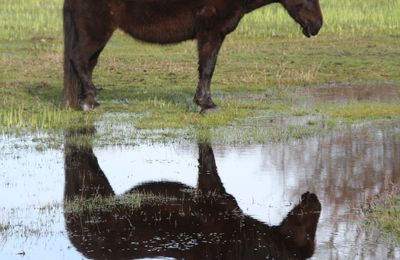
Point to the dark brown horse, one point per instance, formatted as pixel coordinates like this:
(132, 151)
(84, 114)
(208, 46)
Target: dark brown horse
(176, 220)
(89, 24)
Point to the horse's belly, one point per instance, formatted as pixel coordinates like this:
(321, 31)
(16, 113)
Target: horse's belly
(161, 33)
(158, 27)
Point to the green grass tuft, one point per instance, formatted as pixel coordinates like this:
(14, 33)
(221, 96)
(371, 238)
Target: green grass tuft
(363, 111)
(386, 217)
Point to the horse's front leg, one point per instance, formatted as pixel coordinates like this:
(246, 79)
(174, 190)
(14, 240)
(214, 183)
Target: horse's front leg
(209, 44)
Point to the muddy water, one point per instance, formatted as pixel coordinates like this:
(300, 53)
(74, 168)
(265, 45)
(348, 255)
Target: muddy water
(244, 195)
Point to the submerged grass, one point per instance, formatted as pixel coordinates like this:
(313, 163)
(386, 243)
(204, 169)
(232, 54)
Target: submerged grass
(4, 228)
(100, 203)
(133, 200)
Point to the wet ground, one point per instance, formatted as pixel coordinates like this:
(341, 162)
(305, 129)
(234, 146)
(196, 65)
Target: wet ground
(200, 200)
(350, 92)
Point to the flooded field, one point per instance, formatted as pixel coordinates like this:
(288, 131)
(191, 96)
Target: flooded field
(300, 161)
(198, 200)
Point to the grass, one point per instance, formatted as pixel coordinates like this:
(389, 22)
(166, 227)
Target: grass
(132, 200)
(100, 203)
(35, 221)
(155, 84)
(22, 19)
(4, 228)
(47, 118)
(384, 214)
(360, 111)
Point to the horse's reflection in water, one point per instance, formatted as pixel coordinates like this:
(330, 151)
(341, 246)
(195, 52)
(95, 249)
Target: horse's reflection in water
(175, 220)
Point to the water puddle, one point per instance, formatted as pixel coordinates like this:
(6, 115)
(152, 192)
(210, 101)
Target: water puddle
(342, 93)
(198, 201)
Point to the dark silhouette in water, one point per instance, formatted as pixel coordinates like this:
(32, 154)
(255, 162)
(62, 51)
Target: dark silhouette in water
(175, 220)
(89, 24)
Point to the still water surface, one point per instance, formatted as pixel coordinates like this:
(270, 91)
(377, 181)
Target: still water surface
(244, 198)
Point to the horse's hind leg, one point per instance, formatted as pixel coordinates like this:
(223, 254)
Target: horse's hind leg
(209, 44)
(83, 176)
(208, 181)
(84, 60)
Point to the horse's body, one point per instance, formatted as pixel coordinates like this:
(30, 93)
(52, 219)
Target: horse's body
(89, 24)
(176, 220)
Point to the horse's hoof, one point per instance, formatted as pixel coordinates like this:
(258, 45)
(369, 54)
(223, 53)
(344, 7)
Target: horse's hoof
(89, 104)
(211, 110)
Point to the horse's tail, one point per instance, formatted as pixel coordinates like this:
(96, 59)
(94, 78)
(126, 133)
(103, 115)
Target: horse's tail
(72, 84)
